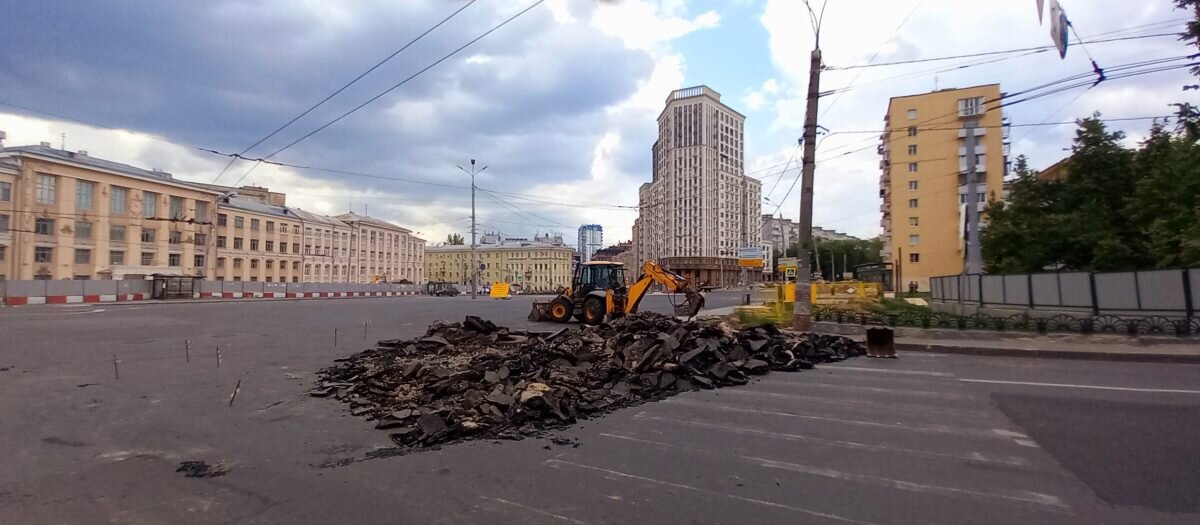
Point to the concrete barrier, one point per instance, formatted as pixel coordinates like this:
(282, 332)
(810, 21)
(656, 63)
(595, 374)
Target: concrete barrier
(17, 293)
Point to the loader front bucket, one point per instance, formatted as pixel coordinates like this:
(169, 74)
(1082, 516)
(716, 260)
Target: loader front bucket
(690, 306)
(540, 311)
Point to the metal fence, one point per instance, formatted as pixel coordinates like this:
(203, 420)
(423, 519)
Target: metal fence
(1171, 293)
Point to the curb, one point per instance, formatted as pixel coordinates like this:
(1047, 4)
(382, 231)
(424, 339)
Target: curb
(1034, 353)
(169, 302)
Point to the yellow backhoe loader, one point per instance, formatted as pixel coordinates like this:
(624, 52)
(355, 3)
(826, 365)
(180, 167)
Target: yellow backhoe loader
(598, 291)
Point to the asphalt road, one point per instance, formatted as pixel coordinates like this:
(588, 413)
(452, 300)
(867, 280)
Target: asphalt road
(923, 439)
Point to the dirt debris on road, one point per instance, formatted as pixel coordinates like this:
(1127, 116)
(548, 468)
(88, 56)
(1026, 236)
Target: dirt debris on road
(476, 380)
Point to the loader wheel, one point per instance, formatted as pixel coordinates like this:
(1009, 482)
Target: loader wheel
(561, 310)
(593, 311)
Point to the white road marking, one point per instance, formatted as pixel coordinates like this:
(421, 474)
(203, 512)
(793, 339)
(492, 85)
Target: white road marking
(1026, 443)
(535, 510)
(888, 371)
(936, 429)
(96, 311)
(1086, 387)
(888, 406)
(857, 388)
(1005, 496)
(787, 436)
(617, 474)
(1009, 433)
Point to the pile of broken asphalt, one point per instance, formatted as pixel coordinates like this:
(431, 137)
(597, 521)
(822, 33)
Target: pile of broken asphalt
(476, 380)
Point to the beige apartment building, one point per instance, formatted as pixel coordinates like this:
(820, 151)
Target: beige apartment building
(383, 252)
(256, 242)
(326, 244)
(924, 183)
(541, 268)
(67, 215)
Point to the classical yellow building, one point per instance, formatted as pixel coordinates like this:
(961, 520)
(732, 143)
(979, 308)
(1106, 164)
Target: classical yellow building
(66, 215)
(541, 268)
(924, 184)
(257, 242)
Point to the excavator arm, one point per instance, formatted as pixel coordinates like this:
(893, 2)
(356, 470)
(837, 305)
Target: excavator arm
(674, 283)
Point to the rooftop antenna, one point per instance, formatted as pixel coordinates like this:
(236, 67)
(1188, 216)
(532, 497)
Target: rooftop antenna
(63, 143)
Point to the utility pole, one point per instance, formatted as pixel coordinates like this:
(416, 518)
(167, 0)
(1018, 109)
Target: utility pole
(973, 263)
(803, 311)
(474, 255)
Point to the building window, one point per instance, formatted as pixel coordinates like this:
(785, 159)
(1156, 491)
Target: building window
(270, 264)
(254, 244)
(43, 254)
(912, 185)
(239, 221)
(5, 191)
(914, 257)
(295, 247)
(237, 243)
(116, 258)
(912, 203)
(176, 207)
(43, 226)
(962, 198)
(198, 261)
(295, 266)
(221, 263)
(253, 225)
(914, 240)
(84, 192)
(237, 263)
(83, 230)
(912, 149)
(222, 219)
(45, 189)
(116, 200)
(970, 107)
(220, 241)
(116, 232)
(912, 131)
(253, 264)
(3, 223)
(149, 204)
(912, 114)
(147, 258)
(148, 234)
(173, 259)
(200, 239)
(912, 167)
(201, 211)
(913, 221)
(174, 237)
(270, 226)
(83, 256)
(270, 245)
(283, 247)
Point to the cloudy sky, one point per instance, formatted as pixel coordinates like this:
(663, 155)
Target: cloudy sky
(560, 104)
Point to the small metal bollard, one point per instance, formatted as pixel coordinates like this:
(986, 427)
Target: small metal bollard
(881, 342)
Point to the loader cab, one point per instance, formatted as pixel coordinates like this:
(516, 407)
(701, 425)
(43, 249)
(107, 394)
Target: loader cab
(598, 276)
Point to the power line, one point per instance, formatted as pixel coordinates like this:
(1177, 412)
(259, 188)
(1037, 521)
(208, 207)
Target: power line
(406, 80)
(344, 87)
(993, 53)
(874, 56)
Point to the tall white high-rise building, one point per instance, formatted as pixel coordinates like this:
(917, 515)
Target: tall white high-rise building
(700, 206)
(591, 238)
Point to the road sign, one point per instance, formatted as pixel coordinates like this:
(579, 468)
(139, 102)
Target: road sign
(750, 263)
(1059, 27)
(790, 273)
(750, 252)
(499, 290)
(789, 262)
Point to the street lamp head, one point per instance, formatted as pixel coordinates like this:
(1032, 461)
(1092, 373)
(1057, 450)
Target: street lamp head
(472, 162)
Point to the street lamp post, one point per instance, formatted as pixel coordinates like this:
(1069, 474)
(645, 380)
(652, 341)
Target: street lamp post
(474, 256)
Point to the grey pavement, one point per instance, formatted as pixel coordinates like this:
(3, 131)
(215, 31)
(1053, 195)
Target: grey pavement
(922, 439)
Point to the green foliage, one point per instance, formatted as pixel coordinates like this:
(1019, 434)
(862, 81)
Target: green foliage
(455, 239)
(855, 252)
(1115, 209)
(1191, 32)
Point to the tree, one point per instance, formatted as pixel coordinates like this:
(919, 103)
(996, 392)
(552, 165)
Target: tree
(1115, 209)
(1191, 32)
(850, 253)
(454, 239)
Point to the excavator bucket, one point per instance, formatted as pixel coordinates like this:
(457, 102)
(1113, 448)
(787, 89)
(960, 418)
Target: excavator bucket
(540, 311)
(690, 306)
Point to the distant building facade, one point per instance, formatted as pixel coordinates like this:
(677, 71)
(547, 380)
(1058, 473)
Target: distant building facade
(775, 231)
(591, 239)
(535, 267)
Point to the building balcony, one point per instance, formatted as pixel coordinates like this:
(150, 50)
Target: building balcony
(979, 132)
(884, 164)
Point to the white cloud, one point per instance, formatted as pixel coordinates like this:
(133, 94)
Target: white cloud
(648, 25)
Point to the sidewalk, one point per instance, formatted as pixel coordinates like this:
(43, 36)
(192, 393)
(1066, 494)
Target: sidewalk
(1161, 349)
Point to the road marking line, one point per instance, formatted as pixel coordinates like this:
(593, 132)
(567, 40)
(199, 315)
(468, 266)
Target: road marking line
(1006, 496)
(607, 473)
(535, 510)
(1026, 443)
(1088, 387)
(920, 409)
(786, 436)
(936, 429)
(1009, 433)
(888, 371)
(857, 388)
